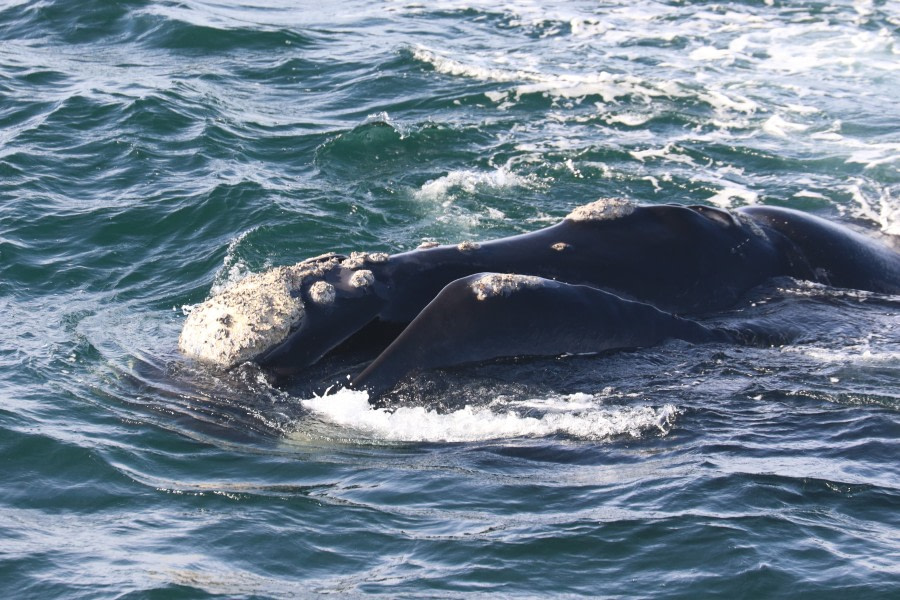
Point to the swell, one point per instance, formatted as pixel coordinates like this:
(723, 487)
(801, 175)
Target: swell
(151, 151)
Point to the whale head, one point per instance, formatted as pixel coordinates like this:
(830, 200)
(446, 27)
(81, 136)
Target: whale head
(253, 315)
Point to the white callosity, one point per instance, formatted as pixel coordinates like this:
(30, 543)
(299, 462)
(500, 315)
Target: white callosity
(251, 316)
(362, 278)
(262, 309)
(604, 209)
(491, 285)
(355, 261)
(322, 292)
(358, 259)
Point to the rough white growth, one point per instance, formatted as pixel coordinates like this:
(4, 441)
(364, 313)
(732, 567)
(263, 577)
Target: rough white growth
(468, 246)
(250, 317)
(244, 320)
(362, 278)
(426, 245)
(358, 259)
(321, 292)
(560, 246)
(603, 210)
(355, 261)
(492, 285)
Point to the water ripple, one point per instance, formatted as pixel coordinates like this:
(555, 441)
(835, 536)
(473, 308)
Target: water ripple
(153, 150)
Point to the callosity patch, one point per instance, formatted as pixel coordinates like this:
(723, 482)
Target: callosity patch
(252, 316)
(604, 209)
(491, 285)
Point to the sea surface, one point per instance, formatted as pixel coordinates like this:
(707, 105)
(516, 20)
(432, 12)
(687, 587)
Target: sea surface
(153, 152)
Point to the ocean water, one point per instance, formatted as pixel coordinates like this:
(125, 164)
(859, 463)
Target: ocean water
(153, 152)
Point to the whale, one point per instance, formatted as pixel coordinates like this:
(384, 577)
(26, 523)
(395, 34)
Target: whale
(613, 274)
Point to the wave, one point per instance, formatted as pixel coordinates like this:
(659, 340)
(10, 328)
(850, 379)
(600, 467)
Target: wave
(468, 181)
(609, 87)
(206, 28)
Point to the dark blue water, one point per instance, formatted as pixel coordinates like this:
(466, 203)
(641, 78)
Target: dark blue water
(153, 152)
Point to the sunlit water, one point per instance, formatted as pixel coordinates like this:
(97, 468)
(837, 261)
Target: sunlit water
(153, 152)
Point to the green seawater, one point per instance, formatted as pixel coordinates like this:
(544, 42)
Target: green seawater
(155, 151)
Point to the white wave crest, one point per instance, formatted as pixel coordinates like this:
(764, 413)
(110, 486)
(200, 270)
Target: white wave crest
(726, 197)
(778, 126)
(877, 205)
(873, 349)
(581, 416)
(469, 181)
(531, 80)
(234, 269)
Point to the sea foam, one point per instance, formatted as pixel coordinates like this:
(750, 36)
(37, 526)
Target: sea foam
(582, 416)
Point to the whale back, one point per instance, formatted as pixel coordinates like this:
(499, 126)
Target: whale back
(679, 259)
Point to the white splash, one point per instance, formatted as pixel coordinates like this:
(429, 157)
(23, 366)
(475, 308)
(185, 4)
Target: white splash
(723, 102)
(878, 206)
(725, 197)
(234, 269)
(469, 182)
(780, 127)
(629, 119)
(578, 415)
(872, 349)
(711, 53)
(531, 80)
(873, 154)
(449, 66)
(669, 153)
